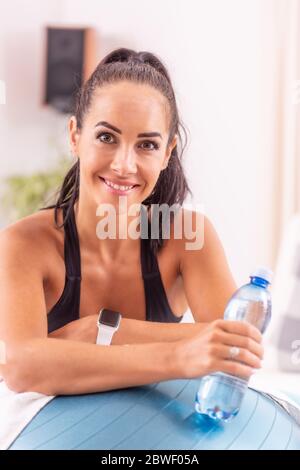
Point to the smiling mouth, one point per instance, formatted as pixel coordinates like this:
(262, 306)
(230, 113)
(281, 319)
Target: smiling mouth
(119, 189)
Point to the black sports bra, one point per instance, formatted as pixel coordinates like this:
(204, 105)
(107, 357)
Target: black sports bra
(67, 307)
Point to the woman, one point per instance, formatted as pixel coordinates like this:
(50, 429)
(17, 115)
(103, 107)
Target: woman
(56, 274)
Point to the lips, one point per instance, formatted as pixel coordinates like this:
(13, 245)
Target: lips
(119, 183)
(121, 189)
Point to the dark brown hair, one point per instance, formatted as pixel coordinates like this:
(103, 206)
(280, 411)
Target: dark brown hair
(141, 68)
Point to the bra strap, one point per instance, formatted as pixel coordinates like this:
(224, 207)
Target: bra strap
(71, 245)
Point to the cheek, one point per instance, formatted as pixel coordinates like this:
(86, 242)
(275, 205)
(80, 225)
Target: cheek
(91, 160)
(152, 179)
(89, 167)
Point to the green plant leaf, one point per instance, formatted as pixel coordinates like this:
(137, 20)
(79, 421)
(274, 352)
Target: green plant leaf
(25, 194)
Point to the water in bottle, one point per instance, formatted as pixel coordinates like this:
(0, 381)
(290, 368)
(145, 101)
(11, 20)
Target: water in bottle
(220, 395)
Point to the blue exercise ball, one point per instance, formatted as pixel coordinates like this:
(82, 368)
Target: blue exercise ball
(158, 416)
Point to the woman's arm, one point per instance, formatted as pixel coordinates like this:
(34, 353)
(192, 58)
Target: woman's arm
(131, 331)
(48, 365)
(54, 366)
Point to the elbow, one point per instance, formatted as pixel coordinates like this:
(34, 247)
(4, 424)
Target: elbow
(14, 382)
(21, 372)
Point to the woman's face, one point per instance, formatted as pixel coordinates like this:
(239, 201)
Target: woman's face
(112, 145)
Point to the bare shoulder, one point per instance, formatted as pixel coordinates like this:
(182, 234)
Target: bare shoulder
(196, 236)
(33, 239)
(200, 236)
(188, 231)
(185, 235)
(207, 278)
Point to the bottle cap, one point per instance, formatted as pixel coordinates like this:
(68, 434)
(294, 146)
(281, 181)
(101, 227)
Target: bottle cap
(263, 272)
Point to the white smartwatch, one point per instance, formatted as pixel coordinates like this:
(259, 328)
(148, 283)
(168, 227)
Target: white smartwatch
(108, 323)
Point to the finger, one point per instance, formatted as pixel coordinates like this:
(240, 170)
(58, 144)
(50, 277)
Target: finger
(242, 328)
(242, 355)
(243, 342)
(235, 368)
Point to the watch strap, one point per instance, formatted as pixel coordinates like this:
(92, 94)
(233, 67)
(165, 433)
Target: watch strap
(105, 334)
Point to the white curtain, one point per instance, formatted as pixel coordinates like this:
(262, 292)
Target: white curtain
(283, 333)
(288, 123)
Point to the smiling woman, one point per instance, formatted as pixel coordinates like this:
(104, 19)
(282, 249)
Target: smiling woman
(126, 140)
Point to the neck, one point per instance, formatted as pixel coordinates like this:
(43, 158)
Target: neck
(93, 225)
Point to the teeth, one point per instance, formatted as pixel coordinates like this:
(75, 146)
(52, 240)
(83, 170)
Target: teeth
(116, 186)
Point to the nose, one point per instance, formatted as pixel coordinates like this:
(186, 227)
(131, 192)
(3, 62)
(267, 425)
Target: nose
(124, 162)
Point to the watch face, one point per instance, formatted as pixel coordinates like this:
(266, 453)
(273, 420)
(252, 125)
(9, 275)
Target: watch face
(109, 317)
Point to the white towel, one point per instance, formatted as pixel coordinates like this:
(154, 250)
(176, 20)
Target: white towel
(16, 411)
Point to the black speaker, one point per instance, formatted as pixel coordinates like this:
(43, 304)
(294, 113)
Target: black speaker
(70, 55)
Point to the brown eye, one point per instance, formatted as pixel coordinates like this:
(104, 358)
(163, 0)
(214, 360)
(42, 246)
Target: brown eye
(105, 137)
(154, 144)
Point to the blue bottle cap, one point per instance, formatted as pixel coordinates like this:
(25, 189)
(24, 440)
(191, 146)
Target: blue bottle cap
(263, 272)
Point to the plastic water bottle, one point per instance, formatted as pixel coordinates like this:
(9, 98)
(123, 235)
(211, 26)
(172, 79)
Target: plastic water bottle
(220, 395)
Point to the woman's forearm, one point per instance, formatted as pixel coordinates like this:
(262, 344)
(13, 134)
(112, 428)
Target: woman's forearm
(130, 332)
(54, 366)
(138, 331)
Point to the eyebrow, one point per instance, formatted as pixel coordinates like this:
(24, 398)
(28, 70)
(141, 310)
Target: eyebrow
(113, 128)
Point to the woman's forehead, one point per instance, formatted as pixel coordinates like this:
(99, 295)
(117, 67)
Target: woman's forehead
(130, 89)
(133, 103)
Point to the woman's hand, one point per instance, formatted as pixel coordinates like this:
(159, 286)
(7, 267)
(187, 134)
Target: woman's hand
(84, 329)
(209, 350)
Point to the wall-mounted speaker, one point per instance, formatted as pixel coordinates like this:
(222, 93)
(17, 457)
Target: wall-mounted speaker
(70, 59)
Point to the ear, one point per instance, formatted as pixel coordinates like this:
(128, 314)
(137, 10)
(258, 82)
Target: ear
(73, 135)
(169, 151)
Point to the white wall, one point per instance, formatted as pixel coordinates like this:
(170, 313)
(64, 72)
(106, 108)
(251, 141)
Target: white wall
(215, 51)
(29, 132)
